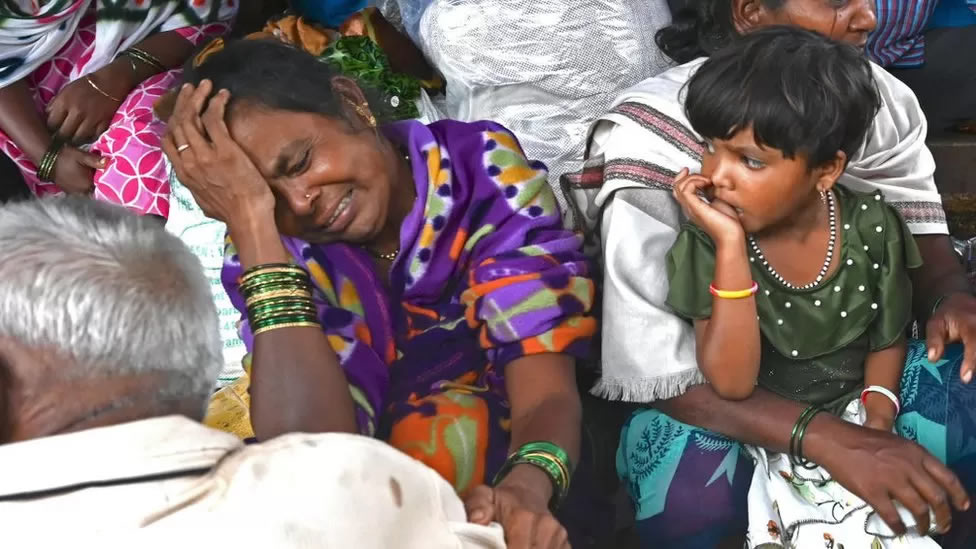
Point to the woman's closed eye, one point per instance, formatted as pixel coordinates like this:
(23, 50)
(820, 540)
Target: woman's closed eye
(300, 165)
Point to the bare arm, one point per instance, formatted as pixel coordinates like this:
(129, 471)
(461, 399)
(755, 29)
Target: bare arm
(728, 343)
(942, 281)
(545, 406)
(168, 47)
(124, 73)
(764, 419)
(941, 273)
(876, 465)
(21, 121)
(79, 112)
(297, 383)
(883, 368)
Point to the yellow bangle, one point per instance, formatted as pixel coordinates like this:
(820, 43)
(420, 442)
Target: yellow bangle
(734, 294)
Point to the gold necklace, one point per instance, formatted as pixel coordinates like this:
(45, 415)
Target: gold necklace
(387, 256)
(391, 255)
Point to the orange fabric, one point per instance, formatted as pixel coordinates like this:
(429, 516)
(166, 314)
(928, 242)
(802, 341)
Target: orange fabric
(458, 245)
(443, 440)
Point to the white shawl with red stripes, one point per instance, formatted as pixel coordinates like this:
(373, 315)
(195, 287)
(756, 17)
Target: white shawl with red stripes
(623, 201)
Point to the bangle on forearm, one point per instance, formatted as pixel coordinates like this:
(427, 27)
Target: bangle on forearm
(796, 431)
(270, 327)
(278, 295)
(799, 432)
(887, 393)
(283, 293)
(551, 459)
(101, 91)
(942, 298)
(144, 57)
(45, 168)
(937, 304)
(734, 294)
(278, 270)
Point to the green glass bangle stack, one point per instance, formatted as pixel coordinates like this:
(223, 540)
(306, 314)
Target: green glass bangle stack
(278, 295)
(145, 58)
(800, 431)
(549, 457)
(45, 169)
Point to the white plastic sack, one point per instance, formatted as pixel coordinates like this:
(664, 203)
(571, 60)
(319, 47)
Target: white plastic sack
(205, 238)
(545, 70)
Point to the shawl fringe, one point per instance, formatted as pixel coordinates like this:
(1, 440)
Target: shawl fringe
(648, 389)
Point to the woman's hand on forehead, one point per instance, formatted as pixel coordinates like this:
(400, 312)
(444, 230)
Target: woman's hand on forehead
(208, 161)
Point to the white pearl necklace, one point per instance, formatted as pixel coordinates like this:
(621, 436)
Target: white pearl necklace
(832, 219)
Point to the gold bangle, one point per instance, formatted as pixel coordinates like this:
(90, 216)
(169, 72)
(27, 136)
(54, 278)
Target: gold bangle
(296, 292)
(287, 325)
(551, 459)
(50, 159)
(100, 90)
(146, 58)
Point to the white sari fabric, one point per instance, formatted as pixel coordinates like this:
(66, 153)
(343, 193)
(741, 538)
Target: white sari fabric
(623, 197)
(797, 507)
(32, 31)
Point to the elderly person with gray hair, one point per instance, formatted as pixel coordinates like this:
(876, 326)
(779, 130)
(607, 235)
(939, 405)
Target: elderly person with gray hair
(108, 354)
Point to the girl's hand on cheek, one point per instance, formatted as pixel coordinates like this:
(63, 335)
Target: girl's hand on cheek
(716, 218)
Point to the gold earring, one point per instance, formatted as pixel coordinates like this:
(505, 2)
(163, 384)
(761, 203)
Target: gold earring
(363, 110)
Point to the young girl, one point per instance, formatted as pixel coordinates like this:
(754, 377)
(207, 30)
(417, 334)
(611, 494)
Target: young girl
(794, 282)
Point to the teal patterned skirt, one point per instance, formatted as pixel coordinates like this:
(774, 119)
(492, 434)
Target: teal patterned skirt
(689, 485)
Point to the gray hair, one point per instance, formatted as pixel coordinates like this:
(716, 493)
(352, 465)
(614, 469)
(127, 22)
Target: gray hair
(111, 292)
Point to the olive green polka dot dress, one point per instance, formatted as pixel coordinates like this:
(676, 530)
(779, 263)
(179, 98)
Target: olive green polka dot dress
(815, 341)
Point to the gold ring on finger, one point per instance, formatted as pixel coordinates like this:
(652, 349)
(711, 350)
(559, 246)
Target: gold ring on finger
(182, 147)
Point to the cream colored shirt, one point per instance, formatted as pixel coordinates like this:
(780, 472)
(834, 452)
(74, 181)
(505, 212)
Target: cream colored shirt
(170, 480)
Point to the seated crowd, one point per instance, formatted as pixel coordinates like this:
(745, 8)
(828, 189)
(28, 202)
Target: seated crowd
(734, 242)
